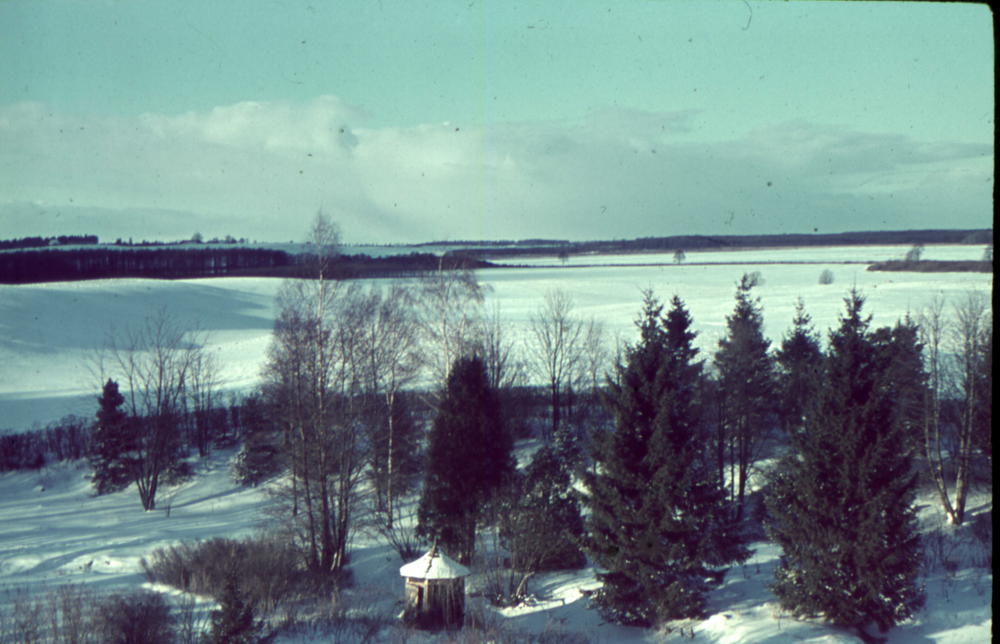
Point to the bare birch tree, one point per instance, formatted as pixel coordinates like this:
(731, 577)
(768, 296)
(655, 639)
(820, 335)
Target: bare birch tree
(952, 350)
(971, 322)
(313, 377)
(450, 300)
(391, 347)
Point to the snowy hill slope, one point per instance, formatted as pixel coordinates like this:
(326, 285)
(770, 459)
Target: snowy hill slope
(53, 531)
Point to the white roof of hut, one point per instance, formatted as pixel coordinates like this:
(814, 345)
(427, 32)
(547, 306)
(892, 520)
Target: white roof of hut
(434, 565)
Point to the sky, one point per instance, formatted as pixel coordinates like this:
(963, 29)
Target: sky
(409, 121)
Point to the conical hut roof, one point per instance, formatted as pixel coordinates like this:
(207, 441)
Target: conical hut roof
(434, 565)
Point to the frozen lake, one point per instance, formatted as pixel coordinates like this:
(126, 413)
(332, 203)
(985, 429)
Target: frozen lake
(47, 331)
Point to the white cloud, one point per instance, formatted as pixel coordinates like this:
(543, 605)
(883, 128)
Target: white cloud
(262, 169)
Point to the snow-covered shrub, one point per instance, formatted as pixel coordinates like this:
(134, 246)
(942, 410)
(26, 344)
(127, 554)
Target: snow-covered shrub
(254, 462)
(982, 540)
(267, 569)
(138, 617)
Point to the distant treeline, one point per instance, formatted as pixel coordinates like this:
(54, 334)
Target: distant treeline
(27, 267)
(497, 242)
(162, 263)
(724, 242)
(63, 440)
(39, 242)
(933, 266)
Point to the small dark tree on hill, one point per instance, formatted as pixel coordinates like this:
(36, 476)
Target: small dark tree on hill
(659, 520)
(915, 253)
(110, 441)
(468, 456)
(842, 501)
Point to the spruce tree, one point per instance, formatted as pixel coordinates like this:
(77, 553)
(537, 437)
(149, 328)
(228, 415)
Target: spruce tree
(843, 500)
(748, 389)
(233, 622)
(800, 360)
(658, 519)
(109, 442)
(468, 456)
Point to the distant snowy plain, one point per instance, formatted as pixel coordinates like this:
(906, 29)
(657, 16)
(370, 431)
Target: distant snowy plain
(48, 331)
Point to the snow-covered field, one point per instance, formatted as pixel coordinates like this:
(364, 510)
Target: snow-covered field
(817, 254)
(53, 531)
(47, 331)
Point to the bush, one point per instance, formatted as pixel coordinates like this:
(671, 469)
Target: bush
(982, 539)
(267, 570)
(138, 617)
(77, 614)
(826, 277)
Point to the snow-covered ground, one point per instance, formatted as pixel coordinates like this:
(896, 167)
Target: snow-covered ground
(53, 531)
(47, 331)
(816, 254)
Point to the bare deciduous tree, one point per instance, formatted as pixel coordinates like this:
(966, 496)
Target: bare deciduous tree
(933, 323)
(449, 307)
(391, 348)
(498, 349)
(314, 378)
(153, 363)
(202, 393)
(952, 349)
(557, 348)
(971, 321)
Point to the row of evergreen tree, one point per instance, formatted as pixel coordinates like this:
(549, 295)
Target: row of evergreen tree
(25, 267)
(665, 487)
(41, 242)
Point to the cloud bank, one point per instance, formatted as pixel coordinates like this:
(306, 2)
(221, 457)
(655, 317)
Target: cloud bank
(261, 170)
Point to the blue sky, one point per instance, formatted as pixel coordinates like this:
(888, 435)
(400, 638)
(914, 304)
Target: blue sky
(409, 121)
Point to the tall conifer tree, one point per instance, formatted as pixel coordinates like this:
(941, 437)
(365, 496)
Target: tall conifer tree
(658, 518)
(468, 456)
(800, 360)
(748, 389)
(843, 500)
(110, 441)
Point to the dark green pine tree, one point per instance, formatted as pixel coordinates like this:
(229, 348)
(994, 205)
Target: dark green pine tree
(899, 350)
(748, 393)
(468, 457)
(109, 442)
(233, 622)
(843, 500)
(658, 520)
(800, 361)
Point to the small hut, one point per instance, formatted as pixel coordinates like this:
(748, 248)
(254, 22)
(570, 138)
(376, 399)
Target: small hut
(435, 591)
